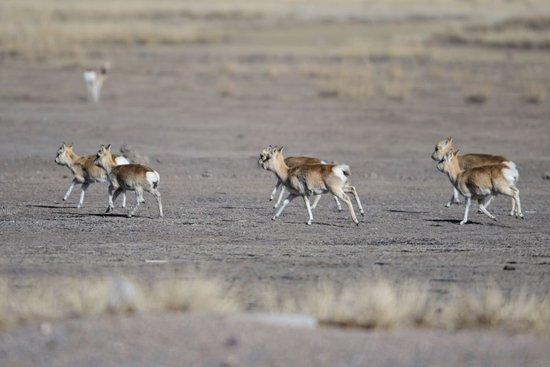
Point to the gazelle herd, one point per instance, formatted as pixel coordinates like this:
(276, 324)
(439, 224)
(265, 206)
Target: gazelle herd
(473, 176)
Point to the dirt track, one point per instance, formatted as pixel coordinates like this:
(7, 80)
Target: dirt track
(217, 216)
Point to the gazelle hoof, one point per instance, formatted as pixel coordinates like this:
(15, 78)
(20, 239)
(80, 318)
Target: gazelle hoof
(130, 215)
(448, 205)
(308, 222)
(273, 218)
(79, 206)
(462, 222)
(362, 214)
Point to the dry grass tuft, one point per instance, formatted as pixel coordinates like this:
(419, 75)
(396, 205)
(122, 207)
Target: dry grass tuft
(523, 33)
(342, 81)
(34, 301)
(385, 305)
(476, 93)
(226, 88)
(534, 93)
(370, 305)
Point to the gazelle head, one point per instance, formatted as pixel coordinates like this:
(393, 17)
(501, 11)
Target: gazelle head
(267, 157)
(64, 154)
(104, 158)
(442, 148)
(445, 164)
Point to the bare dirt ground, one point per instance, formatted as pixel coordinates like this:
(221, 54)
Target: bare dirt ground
(204, 142)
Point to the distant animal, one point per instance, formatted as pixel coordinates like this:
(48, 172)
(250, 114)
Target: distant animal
(292, 162)
(84, 171)
(310, 180)
(133, 177)
(94, 80)
(482, 183)
(466, 161)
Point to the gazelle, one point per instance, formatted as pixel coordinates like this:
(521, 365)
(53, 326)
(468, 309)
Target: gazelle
(482, 183)
(94, 81)
(309, 179)
(292, 162)
(84, 171)
(133, 177)
(466, 161)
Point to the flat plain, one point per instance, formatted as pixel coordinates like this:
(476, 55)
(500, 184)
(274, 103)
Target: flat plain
(199, 112)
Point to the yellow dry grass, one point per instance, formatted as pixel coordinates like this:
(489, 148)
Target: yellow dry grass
(369, 305)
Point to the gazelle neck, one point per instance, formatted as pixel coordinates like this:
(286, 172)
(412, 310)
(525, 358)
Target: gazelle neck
(280, 168)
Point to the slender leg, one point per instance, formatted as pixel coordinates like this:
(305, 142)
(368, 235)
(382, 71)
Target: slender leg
(338, 206)
(354, 192)
(519, 214)
(483, 207)
(277, 185)
(156, 193)
(513, 211)
(342, 195)
(112, 191)
(280, 196)
(466, 210)
(486, 203)
(315, 201)
(139, 200)
(455, 199)
(306, 200)
(287, 201)
(124, 199)
(71, 187)
(85, 186)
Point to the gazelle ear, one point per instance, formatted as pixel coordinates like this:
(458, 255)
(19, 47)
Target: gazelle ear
(70, 145)
(280, 148)
(108, 147)
(456, 152)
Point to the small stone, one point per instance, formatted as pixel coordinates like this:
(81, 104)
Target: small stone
(206, 174)
(509, 267)
(546, 176)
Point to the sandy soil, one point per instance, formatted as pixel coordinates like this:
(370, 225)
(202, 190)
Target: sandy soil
(165, 104)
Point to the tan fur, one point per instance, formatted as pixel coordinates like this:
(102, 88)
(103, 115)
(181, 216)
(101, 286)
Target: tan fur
(292, 162)
(84, 170)
(482, 183)
(466, 161)
(133, 177)
(307, 180)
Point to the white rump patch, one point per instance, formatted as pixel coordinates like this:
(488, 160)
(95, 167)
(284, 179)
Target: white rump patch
(152, 177)
(121, 160)
(511, 174)
(90, 76)
(340, 170)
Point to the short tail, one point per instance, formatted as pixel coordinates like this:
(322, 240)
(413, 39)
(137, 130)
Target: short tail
(153, 177)
(156, 182)
(511, 173)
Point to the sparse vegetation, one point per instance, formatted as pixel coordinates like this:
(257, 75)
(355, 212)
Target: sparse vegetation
(369, 305)
(524, 33)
